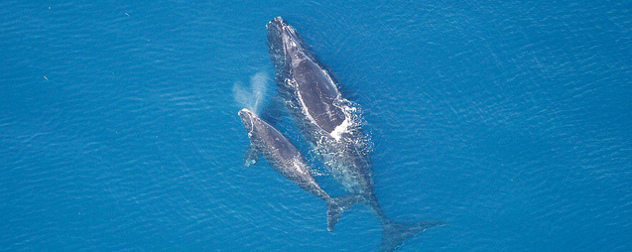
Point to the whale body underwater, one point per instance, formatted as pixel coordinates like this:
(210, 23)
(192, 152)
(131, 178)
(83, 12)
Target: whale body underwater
(286, 159)
(332, 126)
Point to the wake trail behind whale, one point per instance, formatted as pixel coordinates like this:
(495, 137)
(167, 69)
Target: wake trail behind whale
(252, 98)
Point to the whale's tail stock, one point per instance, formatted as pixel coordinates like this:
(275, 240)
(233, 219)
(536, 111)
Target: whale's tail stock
(336, 206)
(395, 233)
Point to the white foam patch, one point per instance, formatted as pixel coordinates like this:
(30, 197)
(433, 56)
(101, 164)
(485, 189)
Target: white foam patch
(340, 129)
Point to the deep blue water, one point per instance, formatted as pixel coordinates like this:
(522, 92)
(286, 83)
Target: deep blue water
(510, 120)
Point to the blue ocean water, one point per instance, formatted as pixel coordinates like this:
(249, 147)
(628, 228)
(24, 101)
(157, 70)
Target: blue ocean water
(510, 120)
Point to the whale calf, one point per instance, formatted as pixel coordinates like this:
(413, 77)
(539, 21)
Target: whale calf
(286, 159)
(329, 122)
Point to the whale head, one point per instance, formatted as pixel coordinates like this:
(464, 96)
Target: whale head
(284, 43)
(247, 119)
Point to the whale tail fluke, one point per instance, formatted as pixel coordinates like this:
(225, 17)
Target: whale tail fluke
(395, 233)
(336, 206)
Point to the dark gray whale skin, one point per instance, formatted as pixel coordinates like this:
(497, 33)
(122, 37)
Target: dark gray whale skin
(286, 159)
(328, 121)
(308, 84)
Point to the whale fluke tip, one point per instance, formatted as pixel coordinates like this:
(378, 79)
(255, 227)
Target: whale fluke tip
(396, 233)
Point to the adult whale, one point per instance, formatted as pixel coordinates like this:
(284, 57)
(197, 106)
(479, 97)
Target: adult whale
(286, 159)
(330, 124)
